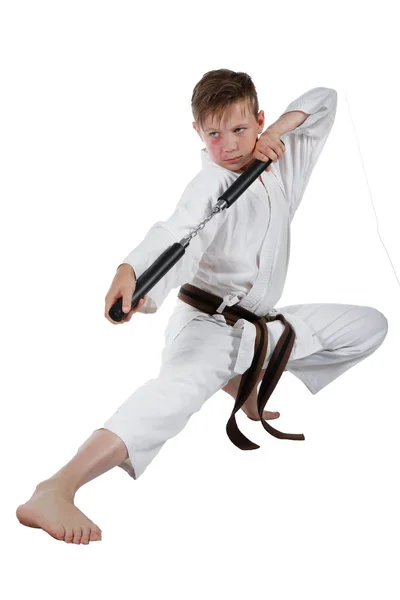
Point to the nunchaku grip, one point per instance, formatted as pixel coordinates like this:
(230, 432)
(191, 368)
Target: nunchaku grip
(171, 255)
(149, 278)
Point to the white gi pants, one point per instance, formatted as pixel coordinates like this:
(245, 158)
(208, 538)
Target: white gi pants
(200, 361)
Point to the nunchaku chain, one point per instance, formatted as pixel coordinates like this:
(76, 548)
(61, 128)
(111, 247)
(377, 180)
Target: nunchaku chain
(217, 208)
(369, 188)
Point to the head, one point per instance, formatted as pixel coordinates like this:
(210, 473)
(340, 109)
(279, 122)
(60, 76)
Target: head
(226, 116)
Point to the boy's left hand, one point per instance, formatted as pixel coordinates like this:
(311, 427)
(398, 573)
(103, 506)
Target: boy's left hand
(269, 145)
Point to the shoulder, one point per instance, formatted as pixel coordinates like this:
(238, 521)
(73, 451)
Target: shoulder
(211, 181)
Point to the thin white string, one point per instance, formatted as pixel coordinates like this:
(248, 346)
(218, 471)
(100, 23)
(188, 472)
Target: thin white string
(369, 188)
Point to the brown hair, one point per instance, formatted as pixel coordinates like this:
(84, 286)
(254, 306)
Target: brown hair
(219, 89)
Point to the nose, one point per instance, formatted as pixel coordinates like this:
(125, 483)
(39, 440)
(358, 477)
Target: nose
(229, 145)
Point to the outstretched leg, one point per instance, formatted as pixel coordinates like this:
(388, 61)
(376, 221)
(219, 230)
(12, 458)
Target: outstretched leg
(52, 507)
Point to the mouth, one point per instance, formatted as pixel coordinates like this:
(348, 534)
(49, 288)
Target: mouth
(233, 159)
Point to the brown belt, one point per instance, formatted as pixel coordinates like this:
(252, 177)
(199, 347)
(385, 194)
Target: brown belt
(209, 303)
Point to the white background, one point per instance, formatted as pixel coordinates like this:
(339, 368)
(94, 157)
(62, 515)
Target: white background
(96, 145)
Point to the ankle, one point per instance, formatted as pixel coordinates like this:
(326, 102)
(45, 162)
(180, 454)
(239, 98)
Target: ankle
(60, 484)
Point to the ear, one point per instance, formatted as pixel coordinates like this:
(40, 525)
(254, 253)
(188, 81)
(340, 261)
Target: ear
(197, 129)
(261, 121)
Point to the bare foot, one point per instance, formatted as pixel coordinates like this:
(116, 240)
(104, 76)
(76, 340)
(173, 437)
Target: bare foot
(250, 406)
(52, 509)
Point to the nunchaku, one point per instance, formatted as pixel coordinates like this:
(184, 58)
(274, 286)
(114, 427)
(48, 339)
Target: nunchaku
(149, 278)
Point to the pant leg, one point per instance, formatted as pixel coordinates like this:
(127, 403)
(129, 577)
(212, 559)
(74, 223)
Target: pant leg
(348, 334)
(195, 365)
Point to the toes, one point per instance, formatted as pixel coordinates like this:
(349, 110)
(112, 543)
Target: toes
(270, 415)
(95, 535)
(77, 535)
(69, 534)
(85, 535)
(96, 529)
(57, 532)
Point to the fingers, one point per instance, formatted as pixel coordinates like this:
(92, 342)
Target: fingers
(279, 149)
(275, 153)
(265, 155)
(122, 289)
(134, 310)
(110, 301)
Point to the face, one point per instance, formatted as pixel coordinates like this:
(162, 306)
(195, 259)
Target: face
(233, 138)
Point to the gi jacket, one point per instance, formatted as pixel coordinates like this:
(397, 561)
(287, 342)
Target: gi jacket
(242, 253)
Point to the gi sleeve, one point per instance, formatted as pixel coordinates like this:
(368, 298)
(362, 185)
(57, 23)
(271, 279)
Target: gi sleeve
(305, 143)
(195, 205)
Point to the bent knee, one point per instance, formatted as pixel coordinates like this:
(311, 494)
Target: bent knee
(379, 323)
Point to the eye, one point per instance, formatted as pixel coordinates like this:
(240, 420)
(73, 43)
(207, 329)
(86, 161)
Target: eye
(212, 133)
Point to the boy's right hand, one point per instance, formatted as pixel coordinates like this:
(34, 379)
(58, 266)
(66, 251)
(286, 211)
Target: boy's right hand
(123, 285)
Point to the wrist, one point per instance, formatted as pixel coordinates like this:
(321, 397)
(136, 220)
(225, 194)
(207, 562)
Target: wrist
(288, 121)
(127, 266)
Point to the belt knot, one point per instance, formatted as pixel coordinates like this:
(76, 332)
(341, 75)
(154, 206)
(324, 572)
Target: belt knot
(228, 300)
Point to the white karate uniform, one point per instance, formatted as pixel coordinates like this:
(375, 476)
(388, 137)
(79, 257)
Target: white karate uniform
(241, 255)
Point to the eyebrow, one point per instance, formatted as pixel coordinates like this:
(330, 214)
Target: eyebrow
(236, 126)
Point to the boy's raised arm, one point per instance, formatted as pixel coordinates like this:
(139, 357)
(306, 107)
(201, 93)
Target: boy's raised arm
(304, 143)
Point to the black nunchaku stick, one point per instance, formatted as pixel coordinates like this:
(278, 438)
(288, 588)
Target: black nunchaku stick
(149, 278)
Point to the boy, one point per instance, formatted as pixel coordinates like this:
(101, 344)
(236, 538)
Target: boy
(236, 265)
